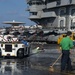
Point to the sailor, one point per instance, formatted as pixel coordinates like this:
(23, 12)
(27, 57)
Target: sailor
(66, 44)
(25, 42)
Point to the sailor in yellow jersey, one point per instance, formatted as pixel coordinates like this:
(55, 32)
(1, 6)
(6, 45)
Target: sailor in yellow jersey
(59, 40)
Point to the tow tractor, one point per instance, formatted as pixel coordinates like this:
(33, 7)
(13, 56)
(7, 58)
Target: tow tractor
(15, 48)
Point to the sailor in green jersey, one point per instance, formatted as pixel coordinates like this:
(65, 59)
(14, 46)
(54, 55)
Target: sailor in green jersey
(66, 44)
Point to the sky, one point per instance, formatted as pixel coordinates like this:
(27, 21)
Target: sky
(14, 10)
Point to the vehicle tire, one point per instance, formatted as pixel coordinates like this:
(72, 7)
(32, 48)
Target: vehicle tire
(20, 53)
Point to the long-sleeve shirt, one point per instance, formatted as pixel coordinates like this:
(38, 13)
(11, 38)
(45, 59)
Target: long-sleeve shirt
(66, 43)
(25, 42)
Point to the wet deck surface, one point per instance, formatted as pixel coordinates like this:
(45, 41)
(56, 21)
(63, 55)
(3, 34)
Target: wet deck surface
(36, 64)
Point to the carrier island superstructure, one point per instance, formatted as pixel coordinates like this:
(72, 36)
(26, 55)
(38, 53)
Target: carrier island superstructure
(53, 14)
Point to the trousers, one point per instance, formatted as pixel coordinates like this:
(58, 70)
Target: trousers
(66, 61)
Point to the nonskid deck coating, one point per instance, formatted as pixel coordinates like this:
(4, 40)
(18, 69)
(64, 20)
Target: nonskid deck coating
(36, 64)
